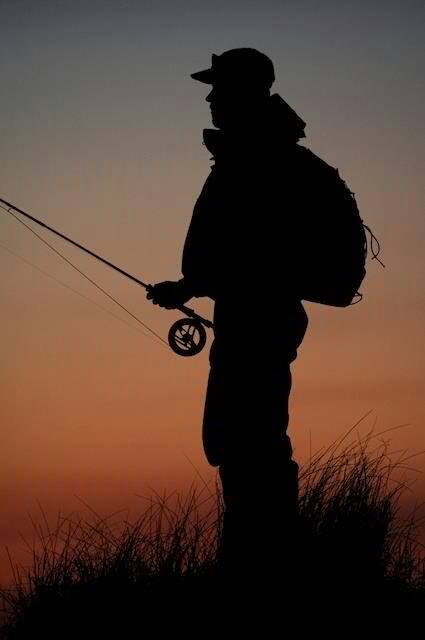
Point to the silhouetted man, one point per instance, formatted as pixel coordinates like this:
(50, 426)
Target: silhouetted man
(239, 251)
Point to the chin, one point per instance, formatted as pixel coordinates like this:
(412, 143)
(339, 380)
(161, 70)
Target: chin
(216, 122)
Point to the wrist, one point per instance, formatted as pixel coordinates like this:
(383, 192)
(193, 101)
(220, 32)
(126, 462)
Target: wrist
(186, 287)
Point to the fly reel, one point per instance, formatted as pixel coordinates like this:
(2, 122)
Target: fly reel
(187, 337)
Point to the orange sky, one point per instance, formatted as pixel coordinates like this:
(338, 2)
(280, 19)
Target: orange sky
(101, 137)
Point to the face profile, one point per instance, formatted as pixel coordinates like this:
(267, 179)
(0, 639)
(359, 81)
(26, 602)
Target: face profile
(232, 105)
(224, 103)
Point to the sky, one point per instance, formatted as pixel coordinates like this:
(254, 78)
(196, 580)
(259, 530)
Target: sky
(101, 137)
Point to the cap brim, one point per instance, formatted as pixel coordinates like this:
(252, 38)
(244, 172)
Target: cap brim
(203, 76)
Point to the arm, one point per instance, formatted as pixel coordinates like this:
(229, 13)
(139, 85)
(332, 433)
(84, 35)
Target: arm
(199, 258)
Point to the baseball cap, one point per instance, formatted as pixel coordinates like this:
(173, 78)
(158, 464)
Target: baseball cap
(241, 65)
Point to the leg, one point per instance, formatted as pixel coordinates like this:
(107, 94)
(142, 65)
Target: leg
(248, 440)
(246, 408)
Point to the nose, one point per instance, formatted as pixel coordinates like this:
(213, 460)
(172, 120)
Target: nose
(209, 96)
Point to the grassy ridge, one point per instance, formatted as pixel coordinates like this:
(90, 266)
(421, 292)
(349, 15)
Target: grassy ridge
(101, 577)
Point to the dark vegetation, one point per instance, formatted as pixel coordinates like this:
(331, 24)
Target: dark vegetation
(357, 560)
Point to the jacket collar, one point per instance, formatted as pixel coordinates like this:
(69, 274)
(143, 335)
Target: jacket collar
(283, 125)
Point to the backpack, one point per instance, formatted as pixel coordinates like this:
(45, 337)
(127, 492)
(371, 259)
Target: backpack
(333, 264)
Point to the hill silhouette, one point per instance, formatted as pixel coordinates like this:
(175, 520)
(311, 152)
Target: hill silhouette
(353, 555)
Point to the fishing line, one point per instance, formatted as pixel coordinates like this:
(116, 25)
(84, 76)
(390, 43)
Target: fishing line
(85, 275)
(186, 336)
(78, 293)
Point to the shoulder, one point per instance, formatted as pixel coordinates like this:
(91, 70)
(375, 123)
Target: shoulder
(311, 160)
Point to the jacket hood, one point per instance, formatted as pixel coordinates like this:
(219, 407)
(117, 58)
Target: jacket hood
(281, 125)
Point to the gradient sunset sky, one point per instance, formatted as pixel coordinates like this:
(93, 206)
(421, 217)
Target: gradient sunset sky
(101, 136)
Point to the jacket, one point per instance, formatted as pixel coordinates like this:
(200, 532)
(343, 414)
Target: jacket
(239, 241)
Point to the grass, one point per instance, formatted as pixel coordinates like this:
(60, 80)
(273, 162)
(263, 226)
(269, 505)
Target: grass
(108, 577)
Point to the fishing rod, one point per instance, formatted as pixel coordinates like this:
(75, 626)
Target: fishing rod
(186, 337)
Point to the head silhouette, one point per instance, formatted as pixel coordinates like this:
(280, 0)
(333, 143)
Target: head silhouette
(241, 80)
